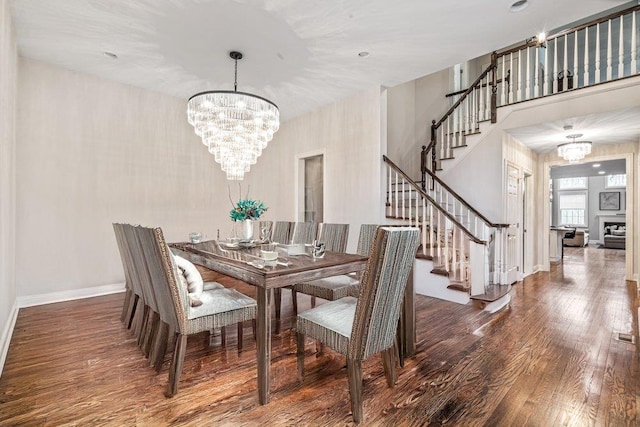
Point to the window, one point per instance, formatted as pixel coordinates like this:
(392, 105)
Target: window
(572, 183)
(613, 181)
(573, 208)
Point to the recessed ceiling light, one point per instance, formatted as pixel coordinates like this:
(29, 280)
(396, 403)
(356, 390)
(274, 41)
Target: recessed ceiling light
(519, 5)
(110, 55)
(596, 165)
(601, 172)
(363, 54)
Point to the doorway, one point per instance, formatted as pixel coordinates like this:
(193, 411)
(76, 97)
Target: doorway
(310, 205)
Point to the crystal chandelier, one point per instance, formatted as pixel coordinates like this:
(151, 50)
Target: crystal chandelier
(574, 151)
(235, 126)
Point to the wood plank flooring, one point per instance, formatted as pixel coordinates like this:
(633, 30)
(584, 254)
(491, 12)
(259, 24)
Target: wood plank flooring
(552, 358)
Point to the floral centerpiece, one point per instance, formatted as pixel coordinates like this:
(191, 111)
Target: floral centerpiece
(247, 209)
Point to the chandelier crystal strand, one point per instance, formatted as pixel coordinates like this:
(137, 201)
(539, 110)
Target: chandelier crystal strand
(235, 126)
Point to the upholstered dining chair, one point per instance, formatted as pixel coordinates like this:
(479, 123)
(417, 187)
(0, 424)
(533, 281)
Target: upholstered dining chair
(336, 287)
(281, 232)
(335, 237)
(133, 292)
(220, 307)
(359, 328)
(303, 232)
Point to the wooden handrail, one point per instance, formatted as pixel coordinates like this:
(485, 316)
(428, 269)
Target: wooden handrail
(449, 95)
(419, 190)
(534, 43)
(464, 202)
(466, 92)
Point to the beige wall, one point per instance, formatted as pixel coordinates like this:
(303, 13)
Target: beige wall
(8, 69)
(93, 152)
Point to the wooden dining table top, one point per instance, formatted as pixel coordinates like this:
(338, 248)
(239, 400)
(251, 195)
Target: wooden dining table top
(240, 262)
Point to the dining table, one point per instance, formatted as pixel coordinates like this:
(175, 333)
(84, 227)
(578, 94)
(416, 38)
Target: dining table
(243, 261)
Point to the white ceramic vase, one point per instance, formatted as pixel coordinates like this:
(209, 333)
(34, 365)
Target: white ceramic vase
(247, 229)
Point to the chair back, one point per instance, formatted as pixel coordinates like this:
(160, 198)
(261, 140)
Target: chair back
(303, 232)
(334, 236)
(281, 231)
(131, 280)
(140, 265)
(173, 297)
(382, 290)
(365, 239)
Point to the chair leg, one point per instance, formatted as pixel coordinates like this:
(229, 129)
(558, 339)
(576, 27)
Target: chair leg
(389, 365)
(144, 325)
(152, 331)
(300, 354)
(354, 372)
(240, 335)
(223, 336)
(176, 364)
(131, 310)
(160, 346)
(277, 297)
(254, 327)
(313, 301)
(125, 304)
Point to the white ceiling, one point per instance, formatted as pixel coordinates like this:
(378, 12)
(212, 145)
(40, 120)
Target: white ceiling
(613, 127)
(301, 54)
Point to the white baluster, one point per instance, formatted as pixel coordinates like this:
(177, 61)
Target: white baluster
(446, 245)
(609, 56)
(586, 57)
(575, 59)
(565, 65)
(453, 252)
(463, 256)
(424, 226)
(554, 78)
(431, 229)
(411, 207)
(389, 209)
(545, 73)
(404, 196)
(597, 58)
(513, 78)
(395, 214)
(634, 45)
(621, 49)
(503, 88)
(528, 74)
(445, 145)
(536, 66)
(437, 237)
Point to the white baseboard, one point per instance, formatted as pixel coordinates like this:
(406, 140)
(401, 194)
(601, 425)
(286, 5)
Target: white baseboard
(31, 300)
(5, 338)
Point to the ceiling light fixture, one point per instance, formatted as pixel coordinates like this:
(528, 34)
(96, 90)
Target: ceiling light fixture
(519, 5)
(363, 54)
(576, 150)
(110, 55)
(596, 165)
(235, 126)
(601, 172)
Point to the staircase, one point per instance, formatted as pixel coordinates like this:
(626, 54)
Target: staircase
(465, 247)
(459, 240)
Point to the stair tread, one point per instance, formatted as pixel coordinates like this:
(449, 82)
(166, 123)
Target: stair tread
(458, 286)
(493, 293)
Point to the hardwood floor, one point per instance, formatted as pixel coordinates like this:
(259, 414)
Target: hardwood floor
(552, 358)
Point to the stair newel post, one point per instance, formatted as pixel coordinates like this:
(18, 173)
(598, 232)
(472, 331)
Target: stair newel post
(433, 147)
(494, 87)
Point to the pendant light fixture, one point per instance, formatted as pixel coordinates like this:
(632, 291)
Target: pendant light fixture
(576, 150)
(235, 126)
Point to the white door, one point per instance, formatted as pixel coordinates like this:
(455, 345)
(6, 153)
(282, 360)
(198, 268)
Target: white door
(511, 256)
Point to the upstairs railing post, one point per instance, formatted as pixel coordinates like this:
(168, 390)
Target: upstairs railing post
(494, 87)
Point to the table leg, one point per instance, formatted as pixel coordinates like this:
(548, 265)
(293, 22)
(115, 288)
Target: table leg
(263, 344)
